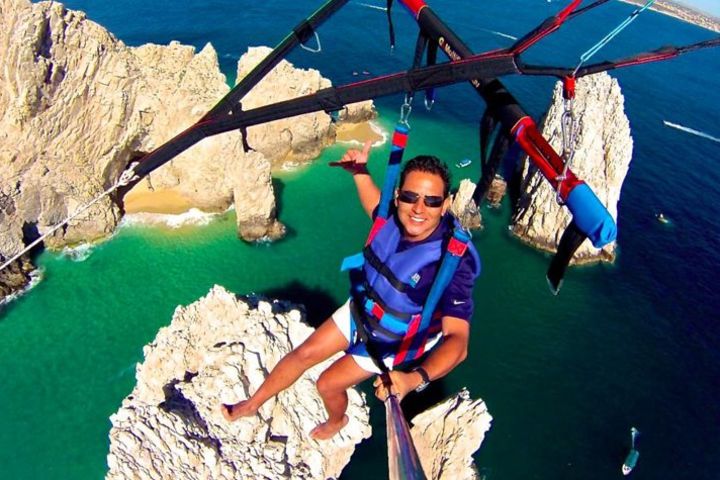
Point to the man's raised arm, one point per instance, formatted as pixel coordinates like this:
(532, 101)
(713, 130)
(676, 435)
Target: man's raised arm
(355, 162)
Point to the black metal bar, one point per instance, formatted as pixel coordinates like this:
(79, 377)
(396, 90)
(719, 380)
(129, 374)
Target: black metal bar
(333, 99)
(292, 40)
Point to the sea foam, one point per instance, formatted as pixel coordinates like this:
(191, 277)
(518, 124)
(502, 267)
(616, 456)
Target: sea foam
(79, 253)
(194, 216)
(35, 277)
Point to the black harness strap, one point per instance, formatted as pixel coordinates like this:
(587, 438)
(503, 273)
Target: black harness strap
(493, 147)
(372, 295)
(361, 318)
(663, 53)
(303, 31)
(305, 27)
(383, 269)
(391, 29)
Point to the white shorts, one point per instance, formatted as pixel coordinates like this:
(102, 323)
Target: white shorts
(344, 321)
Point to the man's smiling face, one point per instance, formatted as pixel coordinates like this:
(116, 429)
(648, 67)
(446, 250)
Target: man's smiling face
(417, 218)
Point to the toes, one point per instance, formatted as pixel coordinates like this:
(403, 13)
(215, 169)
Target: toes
(241, 409)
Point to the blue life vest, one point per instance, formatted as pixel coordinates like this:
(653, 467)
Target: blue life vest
(381, 278)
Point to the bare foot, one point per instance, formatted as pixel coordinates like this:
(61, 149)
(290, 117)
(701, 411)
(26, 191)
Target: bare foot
(240, 409)
(328, 430)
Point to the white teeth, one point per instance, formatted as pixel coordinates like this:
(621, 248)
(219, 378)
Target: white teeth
(417, 219)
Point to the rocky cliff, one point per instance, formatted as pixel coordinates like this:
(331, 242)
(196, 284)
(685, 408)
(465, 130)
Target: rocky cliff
(603, 150)
(447, 435)
(218, 350)
(78, 105)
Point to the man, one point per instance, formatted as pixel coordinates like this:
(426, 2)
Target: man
(419, 226)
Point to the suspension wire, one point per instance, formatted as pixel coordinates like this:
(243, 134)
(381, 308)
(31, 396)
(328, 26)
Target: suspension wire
(607, 38)
(125, 178)
(568, 121)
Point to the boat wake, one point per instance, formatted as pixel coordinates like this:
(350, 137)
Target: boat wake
(691, 131)
(374, 7)
(499, 34)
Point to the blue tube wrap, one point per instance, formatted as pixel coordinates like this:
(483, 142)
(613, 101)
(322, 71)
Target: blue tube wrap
(591, 216)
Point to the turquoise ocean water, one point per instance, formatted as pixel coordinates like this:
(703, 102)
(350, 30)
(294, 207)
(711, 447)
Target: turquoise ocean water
(631, 344)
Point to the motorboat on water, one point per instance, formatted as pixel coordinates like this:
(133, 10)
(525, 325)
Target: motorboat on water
(633, 455)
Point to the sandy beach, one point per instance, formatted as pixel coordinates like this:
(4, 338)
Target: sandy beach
(358, 132)
(141, 199)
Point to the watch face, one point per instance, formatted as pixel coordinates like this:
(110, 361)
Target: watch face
(422, 387)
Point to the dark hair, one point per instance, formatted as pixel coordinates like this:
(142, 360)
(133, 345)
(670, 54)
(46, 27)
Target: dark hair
(429, 164)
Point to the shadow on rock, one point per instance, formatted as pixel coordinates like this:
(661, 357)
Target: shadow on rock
(318, 303)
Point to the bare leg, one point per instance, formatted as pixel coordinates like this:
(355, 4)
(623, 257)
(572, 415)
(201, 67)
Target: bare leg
(325, 342)
(333, 385)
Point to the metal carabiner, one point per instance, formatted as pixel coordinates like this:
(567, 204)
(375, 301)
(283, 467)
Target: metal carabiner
(567, 125)
(405, 111)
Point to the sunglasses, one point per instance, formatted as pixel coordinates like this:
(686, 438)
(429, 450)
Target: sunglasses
(431, 201)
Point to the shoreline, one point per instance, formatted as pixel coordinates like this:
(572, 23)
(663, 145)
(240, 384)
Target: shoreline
(168, 206)
(682, 12)
(143, 200)
(359, 133)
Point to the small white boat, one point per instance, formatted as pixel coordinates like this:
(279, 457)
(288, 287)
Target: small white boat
(630, 462)
(632, 456)
(463, 163)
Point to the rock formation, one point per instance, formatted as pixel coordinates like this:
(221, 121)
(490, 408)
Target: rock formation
(464, 207)
(78, 105)
(218, 350)
(215, 351)
(603, 151)
(285, 140)
(496, 191)
(447, 435)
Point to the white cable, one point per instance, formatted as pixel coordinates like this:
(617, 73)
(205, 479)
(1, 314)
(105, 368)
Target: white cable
(126, 177)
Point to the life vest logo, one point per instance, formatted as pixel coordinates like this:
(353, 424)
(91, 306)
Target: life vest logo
(415, 279)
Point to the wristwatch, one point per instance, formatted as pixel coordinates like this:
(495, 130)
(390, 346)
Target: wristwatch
(425, 379)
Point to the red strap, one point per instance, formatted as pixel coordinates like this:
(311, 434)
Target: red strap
(568, 87)
(414, 6)
(456, 247)
(407, 340)
(544, 156)
(548, 27)
(399, 139)
(377, 311)
(376, 226)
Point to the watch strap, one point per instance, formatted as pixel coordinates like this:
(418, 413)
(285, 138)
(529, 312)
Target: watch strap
(425, 379)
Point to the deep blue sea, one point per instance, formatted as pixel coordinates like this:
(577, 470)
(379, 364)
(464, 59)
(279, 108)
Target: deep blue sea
(636, 343)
